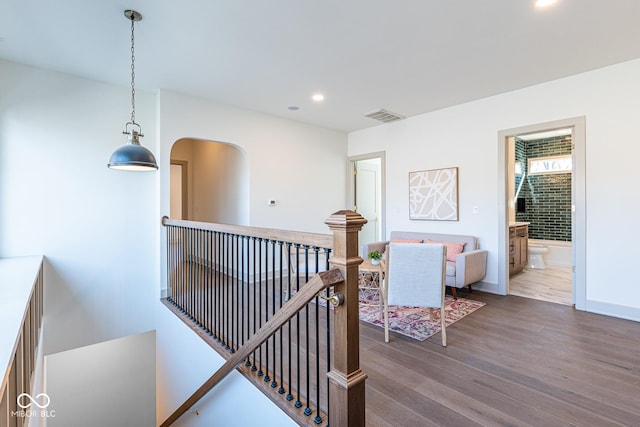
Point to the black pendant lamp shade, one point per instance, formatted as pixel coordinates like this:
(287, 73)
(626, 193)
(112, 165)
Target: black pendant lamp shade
(132, 156)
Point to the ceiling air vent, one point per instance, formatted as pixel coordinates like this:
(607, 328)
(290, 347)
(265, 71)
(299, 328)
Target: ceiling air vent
(384, 116)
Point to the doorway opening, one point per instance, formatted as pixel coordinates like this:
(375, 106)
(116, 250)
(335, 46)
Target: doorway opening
(540, 229)
(366, 195)
(209, 182)
(542, 192)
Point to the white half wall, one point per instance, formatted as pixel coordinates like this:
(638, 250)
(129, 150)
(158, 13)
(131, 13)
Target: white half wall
(466, 136)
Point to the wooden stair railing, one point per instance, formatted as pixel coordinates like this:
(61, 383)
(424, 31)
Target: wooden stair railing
(318, 283)
(206, 261)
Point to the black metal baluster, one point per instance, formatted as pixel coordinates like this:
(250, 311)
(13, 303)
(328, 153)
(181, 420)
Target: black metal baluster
(196, 268)
(281, 332)
(187, 268)
(273, 312)
(187, 273)
(198, 282)
(255, 299)
(194, 275)
(217, 286)
(185, 262)
(201, 279)
(222, 289)
(225, 290)
(259, 302)
(182, 270)
(298, 403)
(327, 292)
(232, 302)
(267, 245)
(247, 308)
(192, 282)
(317, 419)
(289, 285)
(225, 282)
(223, 247)
(190, 291)
(243, 307)
(236, 292)
(307, 409)
(212, 291)
(208, 271)
(169, 258)
(170, 289)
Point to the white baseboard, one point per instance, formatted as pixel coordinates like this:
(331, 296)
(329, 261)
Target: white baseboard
(613, 310)
(597, 307)
(491, 288)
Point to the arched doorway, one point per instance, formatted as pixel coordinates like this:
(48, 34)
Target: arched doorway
(209, 182)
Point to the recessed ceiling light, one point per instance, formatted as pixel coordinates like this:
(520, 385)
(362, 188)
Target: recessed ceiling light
(545, 3)
(293, 108)
(318, 97)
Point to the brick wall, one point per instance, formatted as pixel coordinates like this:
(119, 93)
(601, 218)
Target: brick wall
(547, 196)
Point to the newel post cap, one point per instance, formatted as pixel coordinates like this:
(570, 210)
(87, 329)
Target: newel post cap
(345, 219)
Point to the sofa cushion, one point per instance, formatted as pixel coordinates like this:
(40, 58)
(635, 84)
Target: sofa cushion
(471, 241)
(398, 240)
(453, 248)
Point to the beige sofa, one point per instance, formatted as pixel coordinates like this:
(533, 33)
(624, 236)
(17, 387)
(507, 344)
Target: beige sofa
(463, 269)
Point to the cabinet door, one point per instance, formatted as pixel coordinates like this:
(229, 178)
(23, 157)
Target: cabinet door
(517, 241)
(524, 252)
(512, 255)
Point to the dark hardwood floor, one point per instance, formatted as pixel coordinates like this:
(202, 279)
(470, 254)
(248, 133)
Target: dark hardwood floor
(514, 362)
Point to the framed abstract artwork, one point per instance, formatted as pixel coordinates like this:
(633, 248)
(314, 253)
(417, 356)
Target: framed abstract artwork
(433, 194)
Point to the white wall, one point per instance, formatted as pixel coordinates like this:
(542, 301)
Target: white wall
(221, 182)
(288, 161)
(98, 228)
(103, 385)
(466, 136)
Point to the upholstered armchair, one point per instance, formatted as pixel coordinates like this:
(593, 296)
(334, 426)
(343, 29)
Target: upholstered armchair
(414, 275)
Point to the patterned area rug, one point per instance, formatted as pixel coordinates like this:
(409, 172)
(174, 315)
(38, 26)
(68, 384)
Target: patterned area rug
(414, 322)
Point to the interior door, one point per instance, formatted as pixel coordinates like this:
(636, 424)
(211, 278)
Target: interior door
(367, 201)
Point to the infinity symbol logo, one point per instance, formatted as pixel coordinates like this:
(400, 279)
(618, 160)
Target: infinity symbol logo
(33, 401)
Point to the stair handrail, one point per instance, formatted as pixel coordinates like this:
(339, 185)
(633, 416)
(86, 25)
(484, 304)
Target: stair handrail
(310, 239)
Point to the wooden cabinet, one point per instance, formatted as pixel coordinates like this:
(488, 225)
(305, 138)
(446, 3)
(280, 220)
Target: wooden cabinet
(518, 248)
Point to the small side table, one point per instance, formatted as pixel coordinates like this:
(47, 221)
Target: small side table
(369, 276)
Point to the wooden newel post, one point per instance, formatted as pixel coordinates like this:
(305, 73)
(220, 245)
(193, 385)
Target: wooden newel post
(347, 381)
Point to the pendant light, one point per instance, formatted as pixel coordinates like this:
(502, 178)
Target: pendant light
(132, 156)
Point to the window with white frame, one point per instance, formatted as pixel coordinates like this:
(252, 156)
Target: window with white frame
(548, 165)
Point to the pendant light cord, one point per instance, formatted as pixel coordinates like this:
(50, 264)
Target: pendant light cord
(133, 75)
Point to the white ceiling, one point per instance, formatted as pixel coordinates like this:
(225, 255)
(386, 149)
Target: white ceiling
(406, 56)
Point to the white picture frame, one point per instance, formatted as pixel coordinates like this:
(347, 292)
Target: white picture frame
(433, 194)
